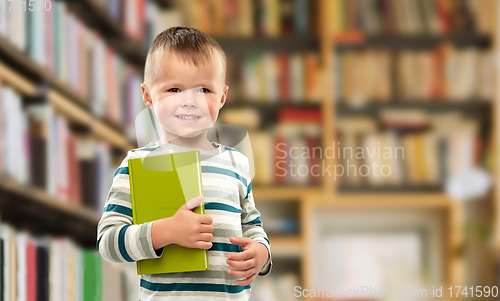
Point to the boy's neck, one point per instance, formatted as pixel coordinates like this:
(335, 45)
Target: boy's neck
(198, 142)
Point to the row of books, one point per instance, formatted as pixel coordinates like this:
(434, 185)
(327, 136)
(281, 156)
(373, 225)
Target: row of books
(445, 72)
(276, 288)
(142, 20)
(279, 76)
(79, 57)
(131, 15)
(55, 268)
(39, 149)
(411, 17)
(288, 153)
(246, 18)
(448, 144)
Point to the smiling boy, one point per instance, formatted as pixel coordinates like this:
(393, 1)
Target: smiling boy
(184, 84)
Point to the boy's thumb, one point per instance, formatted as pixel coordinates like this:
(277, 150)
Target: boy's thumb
(192, 203)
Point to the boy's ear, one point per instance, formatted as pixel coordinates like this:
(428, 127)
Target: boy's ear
(224, 97)
(146, 96)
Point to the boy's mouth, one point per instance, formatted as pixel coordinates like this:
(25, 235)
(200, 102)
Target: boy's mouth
(188, 118)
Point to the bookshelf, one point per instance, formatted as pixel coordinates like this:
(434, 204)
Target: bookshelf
(33, 213)
(340, 37)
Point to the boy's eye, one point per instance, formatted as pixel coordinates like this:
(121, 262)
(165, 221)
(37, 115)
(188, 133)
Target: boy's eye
(174, 90)
(204, 90)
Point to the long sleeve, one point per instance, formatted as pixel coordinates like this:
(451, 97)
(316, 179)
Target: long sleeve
(118, 240)
(251, 224)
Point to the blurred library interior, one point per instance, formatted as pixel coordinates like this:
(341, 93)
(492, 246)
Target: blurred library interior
(402, 92)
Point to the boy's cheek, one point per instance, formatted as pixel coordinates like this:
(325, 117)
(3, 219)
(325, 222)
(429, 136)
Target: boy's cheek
(214, 112)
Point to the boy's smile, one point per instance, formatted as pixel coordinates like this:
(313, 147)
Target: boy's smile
(186, 98)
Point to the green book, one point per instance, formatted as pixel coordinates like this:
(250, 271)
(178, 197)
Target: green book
(92, 275)
(159, 185)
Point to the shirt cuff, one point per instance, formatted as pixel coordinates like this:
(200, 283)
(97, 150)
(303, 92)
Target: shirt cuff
(266, 269)
(150, 251)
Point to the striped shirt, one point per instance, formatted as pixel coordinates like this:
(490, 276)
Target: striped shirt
(228, 198)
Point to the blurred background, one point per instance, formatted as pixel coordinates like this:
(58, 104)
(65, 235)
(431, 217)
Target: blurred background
(373, 123)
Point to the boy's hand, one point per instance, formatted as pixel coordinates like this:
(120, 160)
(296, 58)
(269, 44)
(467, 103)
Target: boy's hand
(248, 263)
(185, 228)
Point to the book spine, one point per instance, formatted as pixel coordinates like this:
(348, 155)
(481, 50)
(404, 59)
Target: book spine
(202, 205)
(134, 214)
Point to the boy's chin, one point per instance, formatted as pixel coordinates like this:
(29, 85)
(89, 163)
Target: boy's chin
(188, 135)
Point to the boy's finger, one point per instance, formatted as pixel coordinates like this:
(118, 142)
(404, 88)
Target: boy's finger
(203, 245)
(205, 237)
(241, 274)
(206, 219)
(245, 255)
(240, 265)
(240, 241)
(192, 203)
(206, 228)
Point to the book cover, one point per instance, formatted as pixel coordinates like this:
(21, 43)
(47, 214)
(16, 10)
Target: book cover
(159, 185)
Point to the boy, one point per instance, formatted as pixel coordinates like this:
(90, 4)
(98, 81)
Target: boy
(184, 84)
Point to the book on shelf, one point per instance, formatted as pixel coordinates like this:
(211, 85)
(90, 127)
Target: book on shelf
(410, 17)
(182, 172)
(163, 19)
(246, 18)
(135, 18)
(96, 175)
(445, 73)
(293, 143)
(14, 133)
(280, 76)
(39, 149)
(423, 151)
(42, 267)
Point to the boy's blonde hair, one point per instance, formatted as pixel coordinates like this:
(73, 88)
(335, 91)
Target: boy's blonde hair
(191, 44)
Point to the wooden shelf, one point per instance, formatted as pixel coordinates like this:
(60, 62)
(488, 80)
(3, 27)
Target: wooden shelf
(420, 41)
(472, 106)
(391, 200)
(286, 246)
(98, 128)
(268, 111)
(19, 61)
(239, 46)
(52, 203)
(32, 208)
(389, 189)
(272, 105)
(283, 193)
(165, 3)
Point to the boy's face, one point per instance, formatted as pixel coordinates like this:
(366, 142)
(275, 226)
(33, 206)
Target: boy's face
(186, 98)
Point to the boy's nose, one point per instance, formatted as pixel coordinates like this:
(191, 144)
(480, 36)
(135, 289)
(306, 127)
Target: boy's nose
(189, 100)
